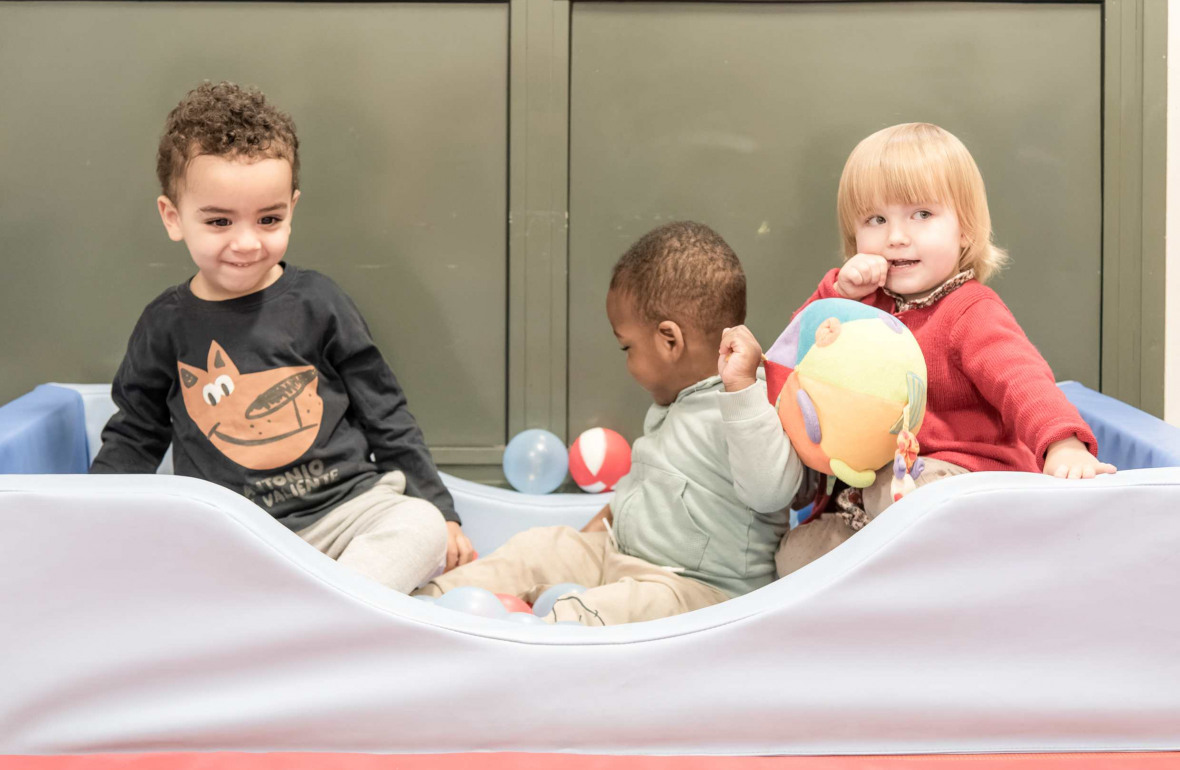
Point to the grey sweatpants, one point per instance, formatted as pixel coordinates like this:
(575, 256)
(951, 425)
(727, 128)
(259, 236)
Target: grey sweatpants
(383, 534)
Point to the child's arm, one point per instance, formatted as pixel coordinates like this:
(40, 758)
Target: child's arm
(996, 355)
(137, 435)
(397, 442)
(393, 434)
(379, 403)
(1070, 459)
(828, 287)
(738, 358)
(766, 470)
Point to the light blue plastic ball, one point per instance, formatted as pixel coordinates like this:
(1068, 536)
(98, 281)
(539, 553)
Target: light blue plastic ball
(525, 619)
(536, 461)
(473, 601)
(544, 604)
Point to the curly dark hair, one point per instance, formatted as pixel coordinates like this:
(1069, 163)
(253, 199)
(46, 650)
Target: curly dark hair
(684, 272)
(226, 120)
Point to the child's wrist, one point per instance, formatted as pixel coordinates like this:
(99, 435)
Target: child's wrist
(737, 384)
(857, 293)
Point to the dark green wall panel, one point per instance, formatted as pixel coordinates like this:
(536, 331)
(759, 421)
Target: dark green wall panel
(737, 114)
(402, 116)
(741, 116)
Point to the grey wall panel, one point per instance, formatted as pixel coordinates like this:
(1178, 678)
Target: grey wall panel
(402, 116)
(741, 116)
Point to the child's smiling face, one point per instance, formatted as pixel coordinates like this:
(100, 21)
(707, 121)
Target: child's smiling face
(922, 242)
(235, 217)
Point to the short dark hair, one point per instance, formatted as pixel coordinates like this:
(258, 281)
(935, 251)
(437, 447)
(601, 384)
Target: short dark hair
(226, 120)
(684, 272)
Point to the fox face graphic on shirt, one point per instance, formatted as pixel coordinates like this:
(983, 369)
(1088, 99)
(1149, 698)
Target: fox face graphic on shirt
(261, 420)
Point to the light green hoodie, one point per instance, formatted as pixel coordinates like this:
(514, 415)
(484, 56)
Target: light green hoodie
(710, 482)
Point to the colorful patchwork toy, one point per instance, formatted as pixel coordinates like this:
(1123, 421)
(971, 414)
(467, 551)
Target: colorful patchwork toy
(849, 383)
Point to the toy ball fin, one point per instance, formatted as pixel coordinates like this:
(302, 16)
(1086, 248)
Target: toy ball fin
(858, 479)
(810, 418)
(915, 406)
(916, 392)
(776, 378)
(785, 350)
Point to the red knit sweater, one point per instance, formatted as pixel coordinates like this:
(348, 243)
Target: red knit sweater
(991, 401)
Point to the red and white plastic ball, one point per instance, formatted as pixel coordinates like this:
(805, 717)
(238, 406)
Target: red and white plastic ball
(598, 459)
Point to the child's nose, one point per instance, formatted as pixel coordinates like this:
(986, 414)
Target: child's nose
(246, 240)
(898, 235)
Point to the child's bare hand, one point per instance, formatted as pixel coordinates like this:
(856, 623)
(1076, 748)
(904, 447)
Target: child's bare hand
(738, 358)
(459, 548)
(862, 275)
(1070, 459)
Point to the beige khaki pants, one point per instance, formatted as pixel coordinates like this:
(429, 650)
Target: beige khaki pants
(622, 589)
(812, 540)
(385, 535)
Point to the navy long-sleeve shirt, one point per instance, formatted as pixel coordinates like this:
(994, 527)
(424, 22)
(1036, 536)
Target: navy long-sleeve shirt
(280, 395)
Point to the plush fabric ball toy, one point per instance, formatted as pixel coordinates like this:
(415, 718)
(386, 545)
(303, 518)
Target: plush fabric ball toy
(849, 383)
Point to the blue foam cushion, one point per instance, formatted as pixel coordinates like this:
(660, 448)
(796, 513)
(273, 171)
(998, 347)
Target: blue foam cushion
(1127, 437)
(44, 432)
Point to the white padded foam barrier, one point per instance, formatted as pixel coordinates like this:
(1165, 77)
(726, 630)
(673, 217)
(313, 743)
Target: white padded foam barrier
(986, 613)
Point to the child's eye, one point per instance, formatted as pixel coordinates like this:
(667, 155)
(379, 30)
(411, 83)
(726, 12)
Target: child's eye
(221, 222)
(923, 214)
(270, 220)
(625, 348)
(875, 219)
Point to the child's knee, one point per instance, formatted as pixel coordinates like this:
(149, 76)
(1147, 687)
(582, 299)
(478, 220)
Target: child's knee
(424, 523)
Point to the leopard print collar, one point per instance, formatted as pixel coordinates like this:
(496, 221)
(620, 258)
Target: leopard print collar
(952, 283)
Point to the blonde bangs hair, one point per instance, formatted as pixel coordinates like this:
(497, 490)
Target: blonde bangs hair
(919, 163)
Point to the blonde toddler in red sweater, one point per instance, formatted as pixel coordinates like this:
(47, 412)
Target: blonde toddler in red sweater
(917, 243)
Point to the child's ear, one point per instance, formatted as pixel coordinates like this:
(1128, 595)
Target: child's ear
(294, 200)
(670, 339)
(170, 217)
